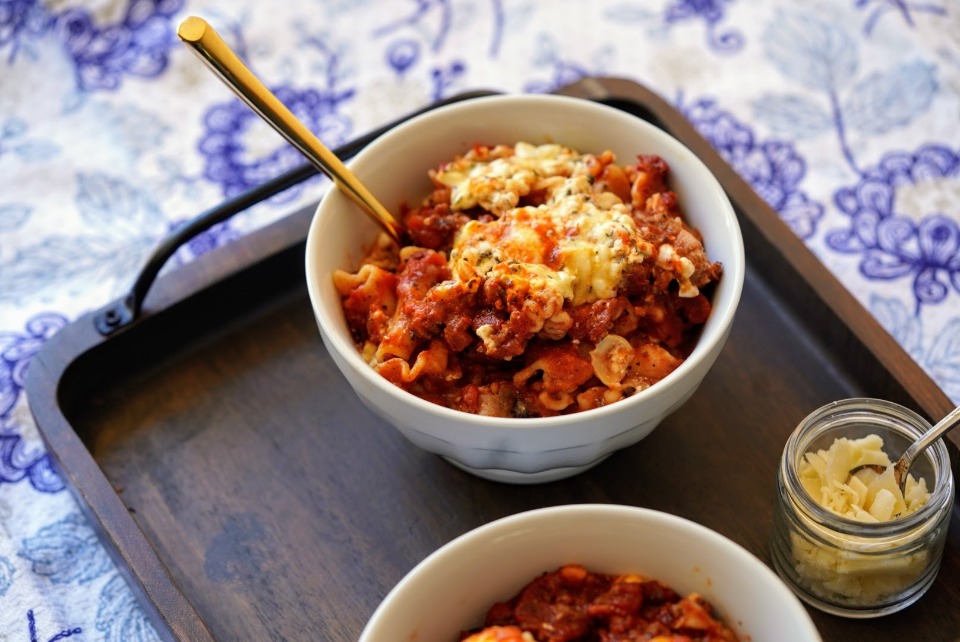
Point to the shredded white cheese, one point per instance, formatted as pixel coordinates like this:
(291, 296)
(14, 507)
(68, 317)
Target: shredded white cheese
(855, 570)
(866, 496)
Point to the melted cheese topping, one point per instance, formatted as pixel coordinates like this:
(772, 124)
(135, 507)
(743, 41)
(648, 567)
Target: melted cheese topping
(497, 181)
(501, 634)
(576, 246)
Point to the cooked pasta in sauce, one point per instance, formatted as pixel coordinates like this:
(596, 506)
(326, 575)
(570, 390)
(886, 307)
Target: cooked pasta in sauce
(573, 604)
(534, 281)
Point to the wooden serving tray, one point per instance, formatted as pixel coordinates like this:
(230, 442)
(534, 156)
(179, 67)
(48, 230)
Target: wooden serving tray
(247, 494)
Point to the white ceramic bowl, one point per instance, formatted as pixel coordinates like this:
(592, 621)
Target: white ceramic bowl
(395, 166)
(452, 589)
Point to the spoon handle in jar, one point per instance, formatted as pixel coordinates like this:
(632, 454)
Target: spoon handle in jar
(209, 46)
(903, 464)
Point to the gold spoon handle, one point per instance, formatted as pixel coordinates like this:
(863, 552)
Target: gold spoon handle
(210, 47)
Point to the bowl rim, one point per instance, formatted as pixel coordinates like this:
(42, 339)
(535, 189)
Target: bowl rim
(541, 518)
(733, 275)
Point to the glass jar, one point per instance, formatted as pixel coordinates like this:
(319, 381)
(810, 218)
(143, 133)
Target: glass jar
(847, 567)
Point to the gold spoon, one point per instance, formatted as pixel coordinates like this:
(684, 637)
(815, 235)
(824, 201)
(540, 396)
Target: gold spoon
(902, 466)
(209, 46)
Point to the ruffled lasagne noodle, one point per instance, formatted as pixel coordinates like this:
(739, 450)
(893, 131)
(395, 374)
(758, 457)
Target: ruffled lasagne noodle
(536, 281)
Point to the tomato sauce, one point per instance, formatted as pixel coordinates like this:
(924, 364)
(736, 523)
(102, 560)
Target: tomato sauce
(508, 345)
(572, 604)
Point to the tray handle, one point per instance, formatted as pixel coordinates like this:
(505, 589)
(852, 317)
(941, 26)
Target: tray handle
(126, 310)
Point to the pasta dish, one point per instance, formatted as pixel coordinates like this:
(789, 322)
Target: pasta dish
(572, 604)
(536, 280)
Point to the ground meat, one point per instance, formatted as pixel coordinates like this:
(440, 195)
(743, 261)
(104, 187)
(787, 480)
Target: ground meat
(572, 604)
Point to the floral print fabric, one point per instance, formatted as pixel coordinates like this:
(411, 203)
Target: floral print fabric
(842, 114)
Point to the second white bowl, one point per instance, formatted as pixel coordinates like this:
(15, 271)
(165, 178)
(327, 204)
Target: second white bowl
(452, 589)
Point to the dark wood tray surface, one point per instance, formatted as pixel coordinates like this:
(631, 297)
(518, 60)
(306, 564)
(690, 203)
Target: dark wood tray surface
(247, 494)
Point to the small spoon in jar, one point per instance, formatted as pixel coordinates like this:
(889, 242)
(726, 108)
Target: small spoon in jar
(211, 49)
(902, 465)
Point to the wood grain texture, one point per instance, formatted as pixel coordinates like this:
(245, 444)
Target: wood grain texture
(248, 494)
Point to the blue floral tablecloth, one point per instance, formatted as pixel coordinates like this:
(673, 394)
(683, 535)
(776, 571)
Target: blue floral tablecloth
(843, 114)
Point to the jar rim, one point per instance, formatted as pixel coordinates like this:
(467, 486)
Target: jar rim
(883, 413)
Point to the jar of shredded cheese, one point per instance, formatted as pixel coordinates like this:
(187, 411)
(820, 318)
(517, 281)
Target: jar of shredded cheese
(843, 545)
